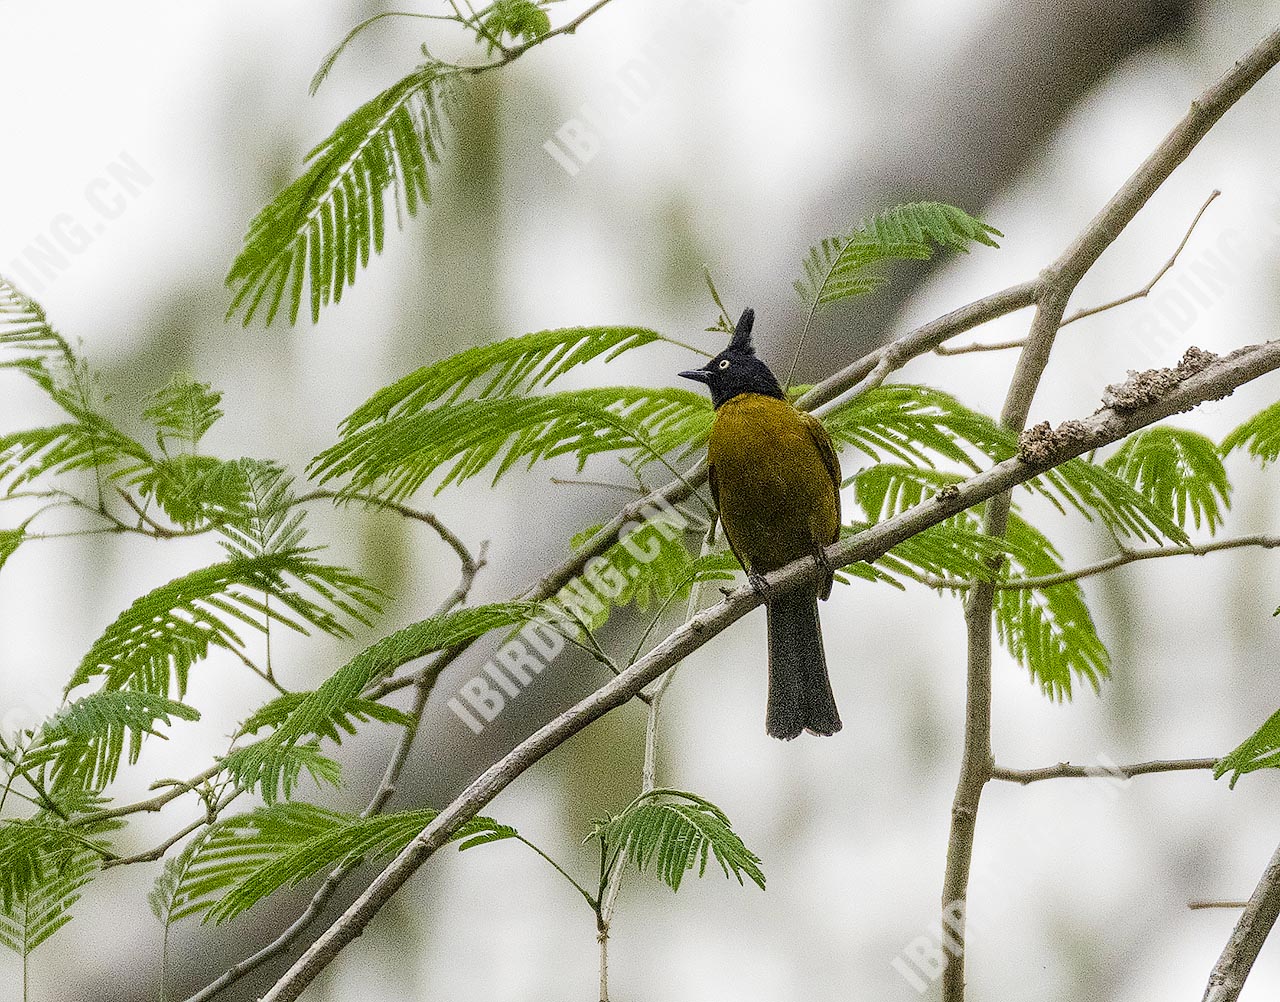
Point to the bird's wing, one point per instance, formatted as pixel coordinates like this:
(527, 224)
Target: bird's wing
(822, 439)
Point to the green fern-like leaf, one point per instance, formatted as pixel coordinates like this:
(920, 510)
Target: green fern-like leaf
(31, 916)
(92, 442)
(1094, 490)
(165, 632)
(272, 768)
(844, 266)
(344, 717)
(1048, 630)
(889, 489)
(183, 411)
(339, 696)
(487, 836)
(956, 548)
(918, 424)
(169, 901)
(1180, 471)
(89, 440)
(514, 367)
(676, 832)
(235, 847)
(396, 457)
(169, 897)
(650, 566)
(186, 488)
(1259, 436)
(35, 851)
(10, 540)
(325, 225)
(1261, 750)
(84, 743)
(24, 325)
(263, 516)
(251, 856)
(520, 20)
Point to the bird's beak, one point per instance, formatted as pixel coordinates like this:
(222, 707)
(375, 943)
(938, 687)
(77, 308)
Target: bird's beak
(697, 375)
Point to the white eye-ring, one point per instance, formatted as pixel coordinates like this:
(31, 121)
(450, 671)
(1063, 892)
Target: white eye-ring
(724, 363)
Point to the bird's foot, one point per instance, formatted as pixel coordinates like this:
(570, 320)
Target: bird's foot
(758, 584)
(822, 560)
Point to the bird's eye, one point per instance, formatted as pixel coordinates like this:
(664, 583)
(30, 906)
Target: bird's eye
(724, 363)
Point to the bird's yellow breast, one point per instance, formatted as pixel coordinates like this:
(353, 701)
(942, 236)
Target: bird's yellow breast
(778, 496)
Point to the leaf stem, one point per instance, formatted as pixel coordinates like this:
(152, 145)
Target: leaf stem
(593, 902)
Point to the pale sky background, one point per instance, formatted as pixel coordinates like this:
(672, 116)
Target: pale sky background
(740, 159)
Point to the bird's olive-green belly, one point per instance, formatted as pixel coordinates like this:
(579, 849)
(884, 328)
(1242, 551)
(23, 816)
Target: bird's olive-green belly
(777, 501)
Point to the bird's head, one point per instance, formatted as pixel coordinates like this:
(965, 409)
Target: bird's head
(736, 369)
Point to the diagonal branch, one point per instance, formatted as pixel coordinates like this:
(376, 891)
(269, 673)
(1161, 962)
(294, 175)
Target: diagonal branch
(1217, 379)
(1231, 970)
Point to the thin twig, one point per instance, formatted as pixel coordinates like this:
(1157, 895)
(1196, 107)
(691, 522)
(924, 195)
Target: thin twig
(144, 519)
(174, 789)
(1200, 905)
(1064, 770)
(977, 346)
(151, 855)
(569, 481)
(1146, 289)
(372, 500)
(1102, 428)
(1121, 559)
(1142, 293)
(266, 676)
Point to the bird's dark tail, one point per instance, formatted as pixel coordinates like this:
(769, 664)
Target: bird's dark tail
(799, 691)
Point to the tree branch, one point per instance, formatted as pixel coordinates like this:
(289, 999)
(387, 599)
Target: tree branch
(1102, 566)
(1058, 283)
(1215, 380)
(1146, 289)
(1090, 311)
(1229, 973)
(176, 789)
(470, 564)
(1064, 770)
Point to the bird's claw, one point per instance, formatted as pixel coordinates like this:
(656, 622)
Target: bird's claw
(822, 560)
(758, 584)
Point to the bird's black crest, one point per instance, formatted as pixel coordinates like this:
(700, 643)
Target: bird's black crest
(741, 340)
(736, 369)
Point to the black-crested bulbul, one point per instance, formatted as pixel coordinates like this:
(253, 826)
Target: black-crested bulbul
(775, 479)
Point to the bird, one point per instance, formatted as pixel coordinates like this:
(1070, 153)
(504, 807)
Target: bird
(775, 481)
